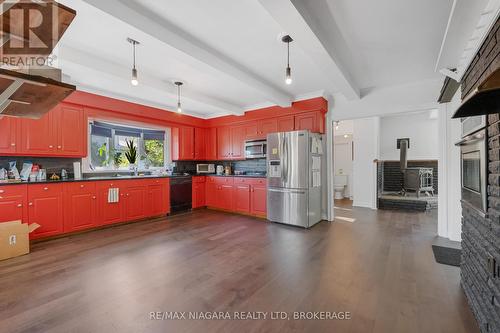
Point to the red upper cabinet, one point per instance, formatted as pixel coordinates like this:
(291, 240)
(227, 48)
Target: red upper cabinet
(312, 121)
(286, 124)
(13, 203)
(70, 130)
(60, 132)
(267, 126)
(45, 207)
(8, 137)
(80, 206)
(211, 144)
(200, 143)
(238, 137)
(183, 143)
(224, 147)
(37, 136)
(251, 130)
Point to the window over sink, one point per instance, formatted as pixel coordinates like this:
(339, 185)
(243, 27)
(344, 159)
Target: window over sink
(108, 145)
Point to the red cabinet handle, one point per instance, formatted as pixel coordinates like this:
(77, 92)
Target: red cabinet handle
(30, 204)
(94, 197)
(45, 188)
(13, 144)
(19, 205)
(2, 191)
(82, 186)
(51, 146)
(59, 147)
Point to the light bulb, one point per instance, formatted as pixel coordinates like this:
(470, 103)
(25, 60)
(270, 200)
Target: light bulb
(288, 79)
(179, 108)
(134, 80)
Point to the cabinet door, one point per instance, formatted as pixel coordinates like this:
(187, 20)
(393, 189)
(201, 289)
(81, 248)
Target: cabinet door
(211, 147)
(259, 200)
(186, 143)
(242, 198)
(70, 130)
(45, 207)
(310, 121)
(109, 213)
(155, 200)
(238, 142)
(267, 126)
(225, 197)
(8, 142)
(80, 206)
(37, 137)
(200, 143)
(224, 143)
(211, 192)
(13, 205)
(251, 130)
(286, 124)
(198, 195)
(135, 204)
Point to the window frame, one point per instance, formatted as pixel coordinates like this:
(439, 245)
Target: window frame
(167, 154)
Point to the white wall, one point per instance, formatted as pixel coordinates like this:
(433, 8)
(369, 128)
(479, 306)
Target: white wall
(366, 150)
(450, 209)
(420, 127)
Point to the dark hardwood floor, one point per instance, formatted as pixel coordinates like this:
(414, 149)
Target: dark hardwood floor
(378, 265)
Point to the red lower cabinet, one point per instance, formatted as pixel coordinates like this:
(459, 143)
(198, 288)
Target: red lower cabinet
(45, 207)
(155, 205)
(80, 206)
(258, 199)
(242, 198)
(135, 201)
(109, 212)
(13, 205)
(199, 191)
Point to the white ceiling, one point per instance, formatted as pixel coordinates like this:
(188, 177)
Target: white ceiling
(229, 54)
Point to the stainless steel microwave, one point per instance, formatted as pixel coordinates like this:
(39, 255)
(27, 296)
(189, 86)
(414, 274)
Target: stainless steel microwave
(205, 168)
(474, 165)
(255, 149)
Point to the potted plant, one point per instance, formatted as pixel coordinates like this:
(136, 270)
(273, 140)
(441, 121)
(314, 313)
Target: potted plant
(131, 155)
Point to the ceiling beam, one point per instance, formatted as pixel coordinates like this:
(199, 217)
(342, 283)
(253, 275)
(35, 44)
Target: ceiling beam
(150, 23)
(296, 20)
(91, 61)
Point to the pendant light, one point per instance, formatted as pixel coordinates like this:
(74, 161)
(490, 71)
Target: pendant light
(337, 123)
(134, 80)
(288, 74)
(179, 106)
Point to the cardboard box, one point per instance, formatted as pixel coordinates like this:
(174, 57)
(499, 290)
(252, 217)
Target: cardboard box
(14, 238)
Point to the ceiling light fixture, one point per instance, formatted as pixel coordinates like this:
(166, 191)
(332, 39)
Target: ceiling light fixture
(179, 106)
(337, 123)
(288, 74)
(134, 79)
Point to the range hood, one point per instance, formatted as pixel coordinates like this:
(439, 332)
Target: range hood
(484, 100)
(23, 94)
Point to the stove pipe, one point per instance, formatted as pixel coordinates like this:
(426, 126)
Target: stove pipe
(403, 151)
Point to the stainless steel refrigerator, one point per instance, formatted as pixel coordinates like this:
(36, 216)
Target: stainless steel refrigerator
(294, 167)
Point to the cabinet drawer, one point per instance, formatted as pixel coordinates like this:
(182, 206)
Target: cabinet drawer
(12, 190)
(80, 187)
(110, 184)
(224, 180)
(257, 181)
(44, 190)
(241, 180)
(199, 179)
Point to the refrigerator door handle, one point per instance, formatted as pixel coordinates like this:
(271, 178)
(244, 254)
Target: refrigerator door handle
(286, 191)
(282, 160)
(285, 167)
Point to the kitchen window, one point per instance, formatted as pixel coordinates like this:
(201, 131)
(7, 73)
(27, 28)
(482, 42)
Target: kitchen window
(108, 145)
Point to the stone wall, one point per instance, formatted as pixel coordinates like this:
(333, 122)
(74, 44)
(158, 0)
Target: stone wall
(392, 178)
(480, 266)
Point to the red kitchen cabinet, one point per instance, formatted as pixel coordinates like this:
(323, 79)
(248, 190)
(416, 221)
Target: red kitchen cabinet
(37, 136)
(200, 137)
(251, 130)
(8, 135)
(224, 147)
(312, 121)
(267, 126)
(286, 124)
(183, 143)
(225, 196)
(45, 207)
(198, 194)
(211, 147)
(80, 206)
(13, 203)
(135, 201)
(242, 198)
(70, 131)
(238, 136)
(211, 192)
(109, 213)
(258, 198)
(155, 202)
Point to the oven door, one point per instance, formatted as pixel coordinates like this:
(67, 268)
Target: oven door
(255, 149)
(474, 171)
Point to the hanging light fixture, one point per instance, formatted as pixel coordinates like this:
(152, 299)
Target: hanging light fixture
(288, 74)
(179, 106)
(337, 123)
(134, 80)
